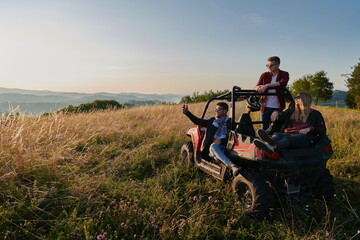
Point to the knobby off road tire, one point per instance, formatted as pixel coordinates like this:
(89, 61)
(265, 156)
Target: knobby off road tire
(324, 188)
(187, 153)
(254, 192)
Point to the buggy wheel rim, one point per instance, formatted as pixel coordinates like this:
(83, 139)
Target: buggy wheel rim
(244, 194)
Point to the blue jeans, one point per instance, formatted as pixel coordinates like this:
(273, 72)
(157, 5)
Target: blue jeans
(265, 116)
(216, 151)
(291, 141)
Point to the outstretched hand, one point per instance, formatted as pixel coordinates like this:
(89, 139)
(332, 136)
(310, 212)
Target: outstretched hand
(185, 108)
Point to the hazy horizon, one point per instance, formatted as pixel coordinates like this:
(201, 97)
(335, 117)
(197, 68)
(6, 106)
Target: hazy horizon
(189, 93)
(171, 47)
(46, 90)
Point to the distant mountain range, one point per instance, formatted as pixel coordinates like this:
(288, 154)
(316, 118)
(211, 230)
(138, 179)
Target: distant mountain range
(337, 100)
(38, 102)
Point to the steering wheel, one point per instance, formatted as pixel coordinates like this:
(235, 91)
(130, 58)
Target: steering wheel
(253, 103)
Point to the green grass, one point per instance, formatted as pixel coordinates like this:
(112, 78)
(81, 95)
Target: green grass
(78, 176)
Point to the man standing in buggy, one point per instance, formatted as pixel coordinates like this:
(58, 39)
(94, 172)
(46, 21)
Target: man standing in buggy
(272, 105)
(301, 127)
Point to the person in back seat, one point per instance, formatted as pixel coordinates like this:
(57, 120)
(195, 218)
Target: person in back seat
(216, 133)
(296, 128)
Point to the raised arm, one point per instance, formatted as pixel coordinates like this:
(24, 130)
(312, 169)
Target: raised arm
(193, 118)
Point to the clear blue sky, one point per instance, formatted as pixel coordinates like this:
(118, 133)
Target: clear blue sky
(168, 46)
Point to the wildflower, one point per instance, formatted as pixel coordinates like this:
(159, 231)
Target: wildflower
(195, 198)
(122, 224)
(101, 236)
(358, 232)
(210, 197)
(200, 197)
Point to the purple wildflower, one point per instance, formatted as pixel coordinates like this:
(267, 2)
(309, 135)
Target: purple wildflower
(122, 224)
(210, 197)
(200, 197)
(358, 232)
(195, 198)
(101, 236)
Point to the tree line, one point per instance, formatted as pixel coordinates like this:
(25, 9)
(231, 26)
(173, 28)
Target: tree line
(197, 97)
(93, 106)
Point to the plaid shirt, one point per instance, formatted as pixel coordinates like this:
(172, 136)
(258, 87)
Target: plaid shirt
(282, 78)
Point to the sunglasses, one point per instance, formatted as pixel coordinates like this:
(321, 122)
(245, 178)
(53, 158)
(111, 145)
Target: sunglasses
(218, 109)
(297, 97)
(271, 65)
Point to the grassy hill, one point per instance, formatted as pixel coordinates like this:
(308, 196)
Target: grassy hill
(79, 176)
(337, 100)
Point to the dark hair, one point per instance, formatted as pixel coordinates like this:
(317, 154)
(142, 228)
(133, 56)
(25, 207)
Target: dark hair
(223, 105)
(274, 59)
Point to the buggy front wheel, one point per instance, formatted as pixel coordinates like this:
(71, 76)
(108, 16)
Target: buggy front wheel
(187, 153)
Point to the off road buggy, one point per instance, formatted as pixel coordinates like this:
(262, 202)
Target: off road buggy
(264, 179)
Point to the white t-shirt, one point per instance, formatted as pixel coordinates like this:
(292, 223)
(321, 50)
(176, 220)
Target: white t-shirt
(272, 101)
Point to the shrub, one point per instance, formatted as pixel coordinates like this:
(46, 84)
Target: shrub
(92, 106)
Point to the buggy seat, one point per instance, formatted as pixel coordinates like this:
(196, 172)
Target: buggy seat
(245, 126)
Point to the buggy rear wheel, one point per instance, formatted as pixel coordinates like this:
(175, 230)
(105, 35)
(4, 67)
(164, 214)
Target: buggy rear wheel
(324, 188)
(254, 193)
(187, 153)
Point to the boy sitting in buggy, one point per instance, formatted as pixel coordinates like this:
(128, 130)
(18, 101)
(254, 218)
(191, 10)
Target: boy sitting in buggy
(216, 133)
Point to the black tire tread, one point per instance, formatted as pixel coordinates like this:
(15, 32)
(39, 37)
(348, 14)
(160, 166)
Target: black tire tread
(262, 195)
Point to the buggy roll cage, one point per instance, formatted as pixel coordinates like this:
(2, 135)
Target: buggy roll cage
(238, 93)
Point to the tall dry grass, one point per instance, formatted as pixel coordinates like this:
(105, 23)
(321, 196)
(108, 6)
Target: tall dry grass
(28, 141)
(74, 176)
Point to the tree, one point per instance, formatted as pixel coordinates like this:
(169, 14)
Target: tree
(321, 88)
(301, 85)
(317, 85)
(352, 99)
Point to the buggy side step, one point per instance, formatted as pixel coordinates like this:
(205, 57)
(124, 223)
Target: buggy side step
(212, 169)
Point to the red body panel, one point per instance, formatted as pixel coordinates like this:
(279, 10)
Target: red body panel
(243, 147)
(246, 150)
(197, 135)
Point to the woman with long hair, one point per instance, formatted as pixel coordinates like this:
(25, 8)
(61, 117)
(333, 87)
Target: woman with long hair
(298, 127)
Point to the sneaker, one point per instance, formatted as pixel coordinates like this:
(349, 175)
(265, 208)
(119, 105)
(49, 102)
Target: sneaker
(265, 137)
(264, 146)
(234, 168)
